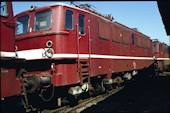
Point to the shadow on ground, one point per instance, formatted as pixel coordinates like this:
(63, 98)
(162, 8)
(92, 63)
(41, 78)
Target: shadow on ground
(147, 94)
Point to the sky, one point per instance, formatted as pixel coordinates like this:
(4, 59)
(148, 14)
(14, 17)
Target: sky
(143, 15)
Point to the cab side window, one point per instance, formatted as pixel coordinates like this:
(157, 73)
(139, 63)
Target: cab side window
(69, 20)
(22, 25)
(81, 24)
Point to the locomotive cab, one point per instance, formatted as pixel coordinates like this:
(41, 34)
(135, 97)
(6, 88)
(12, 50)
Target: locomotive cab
(53, 34)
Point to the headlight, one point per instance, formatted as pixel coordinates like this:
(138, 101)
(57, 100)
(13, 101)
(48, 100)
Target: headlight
(49, 52)
(49, 43)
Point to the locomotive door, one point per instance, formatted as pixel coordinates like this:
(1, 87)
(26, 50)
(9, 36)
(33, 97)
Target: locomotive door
(83, 47)
(82, 36)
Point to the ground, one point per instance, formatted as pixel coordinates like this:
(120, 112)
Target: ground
(146, 94)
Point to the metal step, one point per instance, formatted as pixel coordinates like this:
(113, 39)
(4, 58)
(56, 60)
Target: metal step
(84, 72)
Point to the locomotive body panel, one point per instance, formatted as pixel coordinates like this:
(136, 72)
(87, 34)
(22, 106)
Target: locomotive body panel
(10, 84)
(8, 33)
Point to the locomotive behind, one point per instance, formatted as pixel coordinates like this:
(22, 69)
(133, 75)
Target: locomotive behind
(162, 55)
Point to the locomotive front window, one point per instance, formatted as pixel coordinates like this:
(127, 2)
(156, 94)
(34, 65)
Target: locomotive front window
(69, 22)
(81, 24)
(43, 20)
(22, 25)
(4, 9)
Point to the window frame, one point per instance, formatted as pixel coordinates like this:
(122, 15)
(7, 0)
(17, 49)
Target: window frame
(117, 34)
(123, 32)
(148, 46)
(165, 49)
(35, 20)
(72, 20)
(79, 24)
(99, 32)
(139, 37)
(144, 42)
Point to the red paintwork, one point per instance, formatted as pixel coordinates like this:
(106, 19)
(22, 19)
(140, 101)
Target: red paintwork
(9, 85)
(7, 33)
(89, 43)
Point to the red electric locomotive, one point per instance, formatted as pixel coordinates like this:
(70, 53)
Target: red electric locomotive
(77, 49)
(10, 84)
(162, 56)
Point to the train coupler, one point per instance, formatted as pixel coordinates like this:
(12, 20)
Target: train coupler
(33, 82)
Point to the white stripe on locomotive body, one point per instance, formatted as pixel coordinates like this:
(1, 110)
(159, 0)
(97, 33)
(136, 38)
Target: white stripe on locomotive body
(38, 54)
(163, 58)
(31, 54)
(7, 54)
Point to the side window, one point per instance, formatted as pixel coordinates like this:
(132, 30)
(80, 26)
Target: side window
(69, 21)
(22, 25)
(133, 42)
(144, 43)
(125, 37)
(104, 30)
(148, 44)
(115, 34)
(138, 41)
(81, 24)
(4, 9)
(165, 49)
(43, 20)
(160, 48)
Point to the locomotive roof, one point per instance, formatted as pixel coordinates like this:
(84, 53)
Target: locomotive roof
(131, 29)
(66, 5)
(157, 41)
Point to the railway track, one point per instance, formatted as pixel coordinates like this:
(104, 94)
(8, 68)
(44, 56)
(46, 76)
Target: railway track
(84, 104)
(124, 98)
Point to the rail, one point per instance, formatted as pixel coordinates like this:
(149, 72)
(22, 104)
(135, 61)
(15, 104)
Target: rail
(84, 104)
